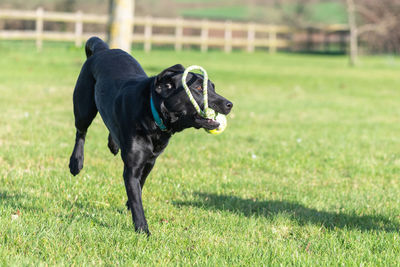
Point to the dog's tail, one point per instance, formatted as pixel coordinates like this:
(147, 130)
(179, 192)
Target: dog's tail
(94, 45)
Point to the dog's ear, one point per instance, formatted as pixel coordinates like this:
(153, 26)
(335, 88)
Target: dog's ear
(173, 69)
(166, 82)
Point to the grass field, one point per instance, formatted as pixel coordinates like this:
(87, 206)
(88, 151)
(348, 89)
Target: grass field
(328, 12)
(307, 172)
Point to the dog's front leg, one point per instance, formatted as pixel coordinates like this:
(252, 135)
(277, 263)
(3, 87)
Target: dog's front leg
(133, 168)
(146, 170)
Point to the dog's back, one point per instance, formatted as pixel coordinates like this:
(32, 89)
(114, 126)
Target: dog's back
(104, 62)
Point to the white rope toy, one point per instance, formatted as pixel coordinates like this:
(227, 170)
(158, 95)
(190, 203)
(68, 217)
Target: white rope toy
(207, 112)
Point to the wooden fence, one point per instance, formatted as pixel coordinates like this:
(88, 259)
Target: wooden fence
(157, 31)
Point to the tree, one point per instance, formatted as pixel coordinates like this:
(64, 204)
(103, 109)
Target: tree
(295, 12)
(375, 22)
(351, 14)
(120, 26)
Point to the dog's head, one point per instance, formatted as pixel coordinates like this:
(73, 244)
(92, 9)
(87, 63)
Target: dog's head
(175, 103)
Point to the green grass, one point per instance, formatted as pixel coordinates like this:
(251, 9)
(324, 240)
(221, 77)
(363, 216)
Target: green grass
(226, 12)
(328, 13)
(235, 12)
(307, 172)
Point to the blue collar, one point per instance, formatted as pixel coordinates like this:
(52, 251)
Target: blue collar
(157, 119)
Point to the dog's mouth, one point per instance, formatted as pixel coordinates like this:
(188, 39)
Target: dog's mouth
(208, 124)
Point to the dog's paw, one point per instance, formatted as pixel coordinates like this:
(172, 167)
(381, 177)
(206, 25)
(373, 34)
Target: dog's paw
(75, 165)
(143, 230)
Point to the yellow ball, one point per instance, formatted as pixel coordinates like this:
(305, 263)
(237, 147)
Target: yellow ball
(222, 124)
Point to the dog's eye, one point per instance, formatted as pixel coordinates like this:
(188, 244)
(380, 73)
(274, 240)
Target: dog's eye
(168, 85)
(200, 88)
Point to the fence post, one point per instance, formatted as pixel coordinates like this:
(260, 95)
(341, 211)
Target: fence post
(309, 45)
(147, 34)
(250, 37)
(327, 42)
(228, 37)
(39, 28)
(2, 25)
(178, 34)
(78, 29)
(204, 36)
(292, 42)
(272, 40)
(343, 42)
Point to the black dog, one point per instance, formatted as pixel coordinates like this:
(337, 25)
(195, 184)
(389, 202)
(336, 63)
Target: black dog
(141, 113)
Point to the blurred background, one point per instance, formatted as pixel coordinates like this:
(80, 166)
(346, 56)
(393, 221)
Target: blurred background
(315, 26)
(306, 174)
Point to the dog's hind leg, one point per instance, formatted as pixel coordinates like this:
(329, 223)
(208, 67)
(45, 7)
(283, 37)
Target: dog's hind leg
(114, 148)
(85, 111)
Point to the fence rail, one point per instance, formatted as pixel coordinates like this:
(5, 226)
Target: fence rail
(248, 36)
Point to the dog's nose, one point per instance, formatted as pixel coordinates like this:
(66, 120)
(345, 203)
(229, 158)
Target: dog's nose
(229, 104)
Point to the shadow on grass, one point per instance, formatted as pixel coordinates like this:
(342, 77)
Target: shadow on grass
(69, 211)
(17, 201)
(297, 212)
(8, 196)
